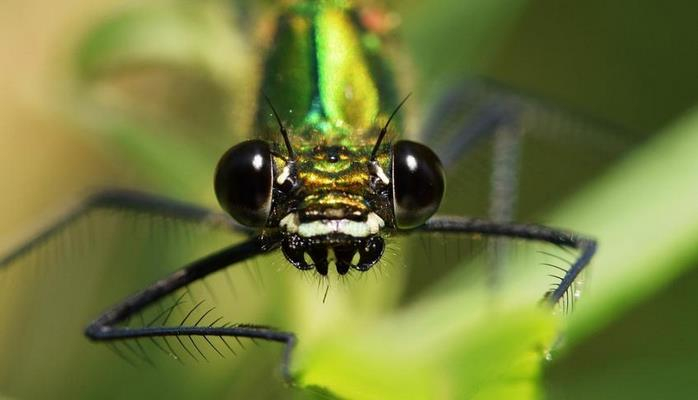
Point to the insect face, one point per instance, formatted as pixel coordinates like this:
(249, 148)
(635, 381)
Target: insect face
(332, 208)
(331, 203)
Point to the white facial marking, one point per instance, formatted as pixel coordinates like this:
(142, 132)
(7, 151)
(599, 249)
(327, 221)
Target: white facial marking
(290, 222)
(317, 228)
(285, 173)
(381, 175)
(374, 222)
(371, 226)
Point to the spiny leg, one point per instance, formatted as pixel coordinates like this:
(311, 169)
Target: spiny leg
(105, 327)
(127, 201)
(586, 246)
(504, 178)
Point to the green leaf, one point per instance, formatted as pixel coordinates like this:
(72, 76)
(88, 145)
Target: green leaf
(434, 350)
(458, 345)
(648, 353)
(644, 214)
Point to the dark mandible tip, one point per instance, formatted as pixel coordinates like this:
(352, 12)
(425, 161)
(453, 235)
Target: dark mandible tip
(384, 130)
(283, 130)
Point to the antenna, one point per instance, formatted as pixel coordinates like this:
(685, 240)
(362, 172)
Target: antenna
(384, 130)
(283, 130)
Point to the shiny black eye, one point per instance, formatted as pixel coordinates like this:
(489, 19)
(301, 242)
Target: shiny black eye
(243, 182)
(418, 183)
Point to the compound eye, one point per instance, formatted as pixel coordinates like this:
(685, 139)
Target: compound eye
(418, 183)
(243, 182)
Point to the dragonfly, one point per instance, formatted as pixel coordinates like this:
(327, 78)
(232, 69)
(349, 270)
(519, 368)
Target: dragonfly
(327, 181)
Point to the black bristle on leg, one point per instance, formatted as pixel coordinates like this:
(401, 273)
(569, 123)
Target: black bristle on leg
(107, 328)
(586, 246)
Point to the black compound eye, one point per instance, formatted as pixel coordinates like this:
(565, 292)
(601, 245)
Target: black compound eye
(418, 183)
(243, 182)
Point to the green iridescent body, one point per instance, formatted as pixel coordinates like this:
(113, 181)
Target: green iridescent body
(333, 93)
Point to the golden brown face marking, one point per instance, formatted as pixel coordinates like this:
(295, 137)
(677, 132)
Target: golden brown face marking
(338, 208)
(336, 184)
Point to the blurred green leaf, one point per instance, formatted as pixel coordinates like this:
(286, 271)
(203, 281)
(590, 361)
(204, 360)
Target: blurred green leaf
(645, 217)
(457, 346)
(648, 353)
(441, 348)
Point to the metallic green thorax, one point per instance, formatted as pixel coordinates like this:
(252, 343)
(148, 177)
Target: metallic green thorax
(333, 94)
(329, 86)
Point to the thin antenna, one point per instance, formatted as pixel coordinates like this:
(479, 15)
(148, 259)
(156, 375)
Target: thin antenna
(385, 128)
(284, 133)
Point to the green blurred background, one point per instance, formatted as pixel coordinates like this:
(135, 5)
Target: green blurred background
(116, 93)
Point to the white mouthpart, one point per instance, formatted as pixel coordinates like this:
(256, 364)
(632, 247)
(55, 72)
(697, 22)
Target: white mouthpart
(371, 226)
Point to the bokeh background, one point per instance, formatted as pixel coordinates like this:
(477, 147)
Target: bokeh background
(97, 94)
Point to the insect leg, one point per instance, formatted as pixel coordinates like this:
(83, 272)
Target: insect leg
(504, 181)
(470, 113)
(585, 245)
(127, 201)
(106, 328)
(465, 115)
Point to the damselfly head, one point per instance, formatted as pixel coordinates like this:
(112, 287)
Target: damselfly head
(331, 203)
